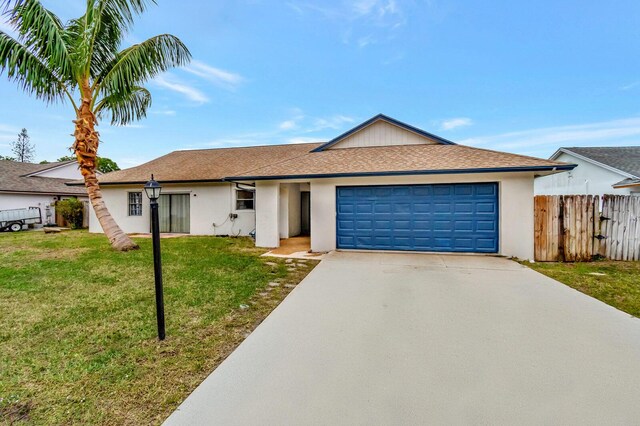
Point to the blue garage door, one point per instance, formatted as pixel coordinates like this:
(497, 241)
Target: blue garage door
(444, 218)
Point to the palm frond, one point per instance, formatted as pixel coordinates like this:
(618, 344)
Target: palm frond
(125, 10)
(42, 32)
(125, 108)
(140, 62)
(108, 32)
(24, 67)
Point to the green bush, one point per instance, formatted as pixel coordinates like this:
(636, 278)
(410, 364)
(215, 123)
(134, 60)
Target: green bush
(72, 210)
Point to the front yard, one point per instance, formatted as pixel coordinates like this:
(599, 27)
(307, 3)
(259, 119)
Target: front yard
(614, 283)
(77, 322)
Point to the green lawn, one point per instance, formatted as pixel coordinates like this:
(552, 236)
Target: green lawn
(78, 329)
(615, 283)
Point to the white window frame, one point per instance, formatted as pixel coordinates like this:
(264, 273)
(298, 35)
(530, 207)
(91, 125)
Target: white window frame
(252, 199)
(136, 204)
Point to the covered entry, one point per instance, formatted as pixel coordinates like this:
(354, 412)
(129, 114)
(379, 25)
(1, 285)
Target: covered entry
(435, 217)
(174, 213)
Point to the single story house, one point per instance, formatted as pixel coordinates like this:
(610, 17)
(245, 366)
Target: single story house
(24, 185)
(600, 170)
(383, 185)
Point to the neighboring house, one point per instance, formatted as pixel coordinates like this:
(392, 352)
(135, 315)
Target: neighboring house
(599, 171)
(383, 185)
(25, 185)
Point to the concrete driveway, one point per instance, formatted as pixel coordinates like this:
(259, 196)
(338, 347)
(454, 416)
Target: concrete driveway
(396, 339)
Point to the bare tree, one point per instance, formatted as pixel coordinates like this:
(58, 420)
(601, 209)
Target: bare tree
(22, 148)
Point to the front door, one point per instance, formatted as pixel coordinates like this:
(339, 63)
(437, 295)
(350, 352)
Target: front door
(173, 210)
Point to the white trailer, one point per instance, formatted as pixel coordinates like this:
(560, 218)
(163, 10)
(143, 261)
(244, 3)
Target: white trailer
(15, 219)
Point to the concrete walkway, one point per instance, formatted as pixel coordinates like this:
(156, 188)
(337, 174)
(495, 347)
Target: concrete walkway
(399, 339)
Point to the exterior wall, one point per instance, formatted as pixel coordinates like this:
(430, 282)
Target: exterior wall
(283, 211)
(295, 218)
(289, 219)
(516, 207)
(382, 133)
(68, 171)
(267, 214)
(22, 201)
(210, 206)
(587, 179)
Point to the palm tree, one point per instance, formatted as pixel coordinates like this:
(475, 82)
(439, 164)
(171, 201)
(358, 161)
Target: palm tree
(81, 62)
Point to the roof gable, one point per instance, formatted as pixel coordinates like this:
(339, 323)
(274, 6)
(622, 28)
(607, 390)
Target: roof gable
(60, 170)
(624, 160)
(16, 177)
(382, 130)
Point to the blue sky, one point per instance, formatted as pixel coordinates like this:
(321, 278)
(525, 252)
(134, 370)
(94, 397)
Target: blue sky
(523, 77)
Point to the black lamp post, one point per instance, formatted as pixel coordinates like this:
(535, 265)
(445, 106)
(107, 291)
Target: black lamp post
(153, 189)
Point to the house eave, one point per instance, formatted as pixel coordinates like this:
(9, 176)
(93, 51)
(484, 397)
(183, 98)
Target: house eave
(559, 168)
(143, 182)
(53, 194)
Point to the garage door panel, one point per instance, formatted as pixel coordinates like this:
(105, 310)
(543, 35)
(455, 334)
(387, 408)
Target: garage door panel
(439, 217)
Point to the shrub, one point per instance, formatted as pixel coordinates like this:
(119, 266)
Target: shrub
(72, 210)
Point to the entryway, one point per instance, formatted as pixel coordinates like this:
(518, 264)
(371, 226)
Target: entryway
(174, 212)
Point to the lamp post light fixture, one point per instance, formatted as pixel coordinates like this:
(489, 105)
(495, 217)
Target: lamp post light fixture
(153, 189)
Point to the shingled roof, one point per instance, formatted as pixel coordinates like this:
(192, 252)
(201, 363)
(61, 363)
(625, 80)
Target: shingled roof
(14, 177)
(400, 159)
(299, 160)
(207, 165)
(623, 158)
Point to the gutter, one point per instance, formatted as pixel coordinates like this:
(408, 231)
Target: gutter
(558, 168)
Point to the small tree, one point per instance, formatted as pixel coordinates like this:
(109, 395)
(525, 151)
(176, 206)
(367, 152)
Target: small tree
(106, 165)
(6, 157)
(22, 148)
(72, 210)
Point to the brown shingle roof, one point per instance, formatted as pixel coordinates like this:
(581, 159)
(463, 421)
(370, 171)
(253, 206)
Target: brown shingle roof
(297, 160)
(398, 159)
(13, 178)
(207, 164)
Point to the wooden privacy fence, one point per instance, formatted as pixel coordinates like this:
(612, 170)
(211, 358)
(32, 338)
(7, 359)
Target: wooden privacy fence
(575, 228)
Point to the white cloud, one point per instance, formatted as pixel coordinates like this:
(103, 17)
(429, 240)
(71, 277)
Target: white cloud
(164, 112)
(603, 132)
(288, 125)
(171, 83)
(335, 122)
(630, 85)
(296, 129)
(365, 41)
(302, 139)
(361, 22)
(454, 123)
(221, 78)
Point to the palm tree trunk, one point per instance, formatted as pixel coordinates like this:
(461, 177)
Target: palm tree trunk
(86, 149)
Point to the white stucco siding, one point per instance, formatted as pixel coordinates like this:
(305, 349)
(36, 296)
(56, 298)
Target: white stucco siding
(382, 133)
(209, 207)
(68, 171)
(267, 214)
(586, 178)
(516, 207)
(295, 215)
(23, 201)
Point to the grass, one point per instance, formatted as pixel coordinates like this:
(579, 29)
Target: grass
(614, 283)
(77, 322)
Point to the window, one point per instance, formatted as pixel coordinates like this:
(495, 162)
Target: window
(135, 204)
(244, 199)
